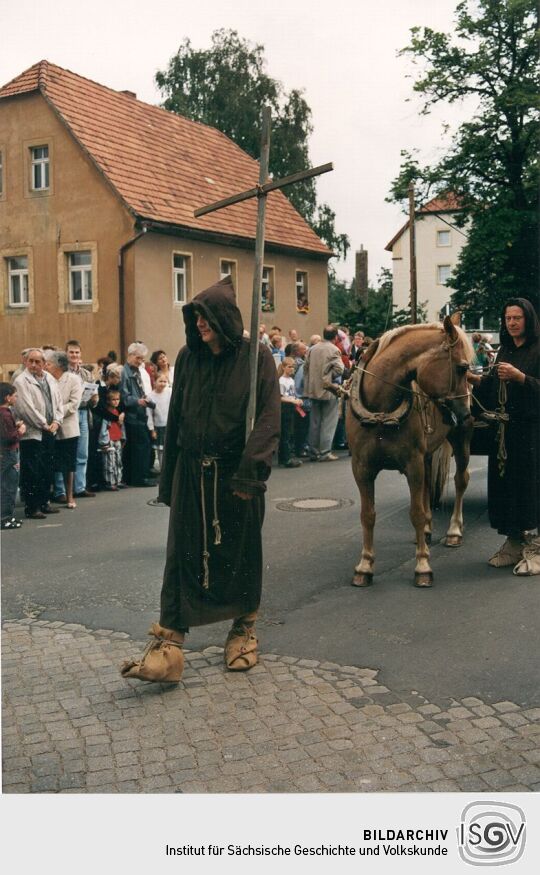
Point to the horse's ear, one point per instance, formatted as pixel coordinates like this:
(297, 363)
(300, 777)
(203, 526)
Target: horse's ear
(456, 318)
(450, 328)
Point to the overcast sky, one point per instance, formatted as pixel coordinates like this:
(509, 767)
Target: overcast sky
(343, 54)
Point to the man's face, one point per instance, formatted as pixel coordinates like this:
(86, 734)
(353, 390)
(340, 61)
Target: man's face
(302, 349)
(34, 363)
(208, 335)
(262, 329)
(514, 319)
(135, 360)
(358, 338)
(74, 356)
(293, 335)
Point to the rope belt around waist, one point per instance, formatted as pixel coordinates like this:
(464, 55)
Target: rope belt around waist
(209, 462)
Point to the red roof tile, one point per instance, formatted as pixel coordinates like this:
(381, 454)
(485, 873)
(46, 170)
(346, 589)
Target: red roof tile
(163, 165)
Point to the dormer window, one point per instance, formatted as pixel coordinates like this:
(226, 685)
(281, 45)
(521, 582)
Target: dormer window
(40, 168)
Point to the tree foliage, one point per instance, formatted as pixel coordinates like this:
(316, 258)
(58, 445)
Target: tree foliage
(491, 163)
(375, 317)
(226, 86)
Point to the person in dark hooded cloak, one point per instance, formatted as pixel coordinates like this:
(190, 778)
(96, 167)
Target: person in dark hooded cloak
(514, 462)
(214, 483)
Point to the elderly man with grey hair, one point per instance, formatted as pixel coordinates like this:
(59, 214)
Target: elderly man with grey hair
(39, 405)
(65, 448)
(138, 449)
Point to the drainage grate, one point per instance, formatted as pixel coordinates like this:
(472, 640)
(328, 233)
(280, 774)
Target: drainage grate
(299, 505)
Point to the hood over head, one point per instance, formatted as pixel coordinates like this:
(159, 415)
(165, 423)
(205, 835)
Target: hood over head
(218, 306)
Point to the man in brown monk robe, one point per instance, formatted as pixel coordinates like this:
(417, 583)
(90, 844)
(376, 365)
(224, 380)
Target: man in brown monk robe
(214, 483)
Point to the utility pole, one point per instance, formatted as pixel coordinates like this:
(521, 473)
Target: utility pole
(412, 254)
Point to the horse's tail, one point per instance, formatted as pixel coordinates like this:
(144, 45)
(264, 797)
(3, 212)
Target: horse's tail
(440, 469)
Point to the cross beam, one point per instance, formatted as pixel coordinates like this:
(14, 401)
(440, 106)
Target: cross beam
(260, 191)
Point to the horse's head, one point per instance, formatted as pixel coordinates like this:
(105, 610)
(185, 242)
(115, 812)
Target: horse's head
(442, 372)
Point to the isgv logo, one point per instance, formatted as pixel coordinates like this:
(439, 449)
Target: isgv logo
(491, 833)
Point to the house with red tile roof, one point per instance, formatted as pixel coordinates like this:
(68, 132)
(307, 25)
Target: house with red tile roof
(97, 233)
(439, 241)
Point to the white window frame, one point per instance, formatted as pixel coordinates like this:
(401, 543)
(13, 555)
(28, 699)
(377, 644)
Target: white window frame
(440, 232)
(302, 286)
(40, 168)
(86, 278)
(268, 283)
(180, 276)
(440, 281)
(22, 274)
(224, 273)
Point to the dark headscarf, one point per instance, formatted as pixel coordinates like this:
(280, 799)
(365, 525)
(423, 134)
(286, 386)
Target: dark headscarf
(532, 324)
(218, 306)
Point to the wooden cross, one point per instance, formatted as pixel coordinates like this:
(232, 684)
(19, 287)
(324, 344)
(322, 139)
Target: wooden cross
(260, 191)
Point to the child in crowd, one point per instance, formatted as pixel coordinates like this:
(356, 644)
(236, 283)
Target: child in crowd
(289, 404)
(10, 432)
(276, 348)
(157, 415)
(112, 438)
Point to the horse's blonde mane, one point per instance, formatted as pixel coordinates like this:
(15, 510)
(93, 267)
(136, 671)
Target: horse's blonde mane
(391, 335)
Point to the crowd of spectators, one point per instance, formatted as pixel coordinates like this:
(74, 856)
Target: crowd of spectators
(312, 418)
(68, 430)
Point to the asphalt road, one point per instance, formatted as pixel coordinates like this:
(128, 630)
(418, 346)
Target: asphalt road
(473, 634)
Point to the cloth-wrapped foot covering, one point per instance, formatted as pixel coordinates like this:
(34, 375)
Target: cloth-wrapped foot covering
(162, 660)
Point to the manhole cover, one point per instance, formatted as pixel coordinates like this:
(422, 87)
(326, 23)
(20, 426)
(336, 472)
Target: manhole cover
(296, 505)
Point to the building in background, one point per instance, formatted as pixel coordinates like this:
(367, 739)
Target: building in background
(438, 244)
(97, 235)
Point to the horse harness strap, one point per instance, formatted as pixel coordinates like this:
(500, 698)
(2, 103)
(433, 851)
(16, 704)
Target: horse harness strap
(390, 419)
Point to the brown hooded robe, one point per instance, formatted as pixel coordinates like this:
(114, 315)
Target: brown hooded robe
(214, 555)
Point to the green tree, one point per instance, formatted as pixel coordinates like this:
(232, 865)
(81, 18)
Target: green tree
(491, 164)
(375, 317)
(226, 86)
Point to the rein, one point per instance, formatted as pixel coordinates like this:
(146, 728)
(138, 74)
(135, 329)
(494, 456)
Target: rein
(501, 417)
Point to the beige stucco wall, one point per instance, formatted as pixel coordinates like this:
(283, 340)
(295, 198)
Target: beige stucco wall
(428, 257)
(79, 212)
(158, 320)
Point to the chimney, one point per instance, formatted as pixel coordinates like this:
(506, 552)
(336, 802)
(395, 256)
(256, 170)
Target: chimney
(129, 93)
(361, 275)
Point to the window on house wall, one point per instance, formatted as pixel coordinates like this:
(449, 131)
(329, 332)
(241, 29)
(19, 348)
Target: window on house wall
(443, 238)
(180, 278)
(443, 273)
(228, 268)
(80, 277)
(302, 292)
(18, 281)
(267, 290)
(40, 167)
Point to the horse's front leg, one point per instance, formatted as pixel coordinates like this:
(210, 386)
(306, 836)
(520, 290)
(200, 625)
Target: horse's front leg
(423, 575)
(460, 445)
(363, 572)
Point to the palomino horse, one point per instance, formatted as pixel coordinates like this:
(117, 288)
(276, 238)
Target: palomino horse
(408, 396)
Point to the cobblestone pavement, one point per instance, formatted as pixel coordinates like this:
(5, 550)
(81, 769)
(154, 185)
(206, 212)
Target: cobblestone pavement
(71, 724)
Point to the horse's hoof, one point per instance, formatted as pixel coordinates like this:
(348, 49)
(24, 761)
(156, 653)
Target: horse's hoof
(423, 578)
(362, 578)
(453, 541)
(427, 536)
